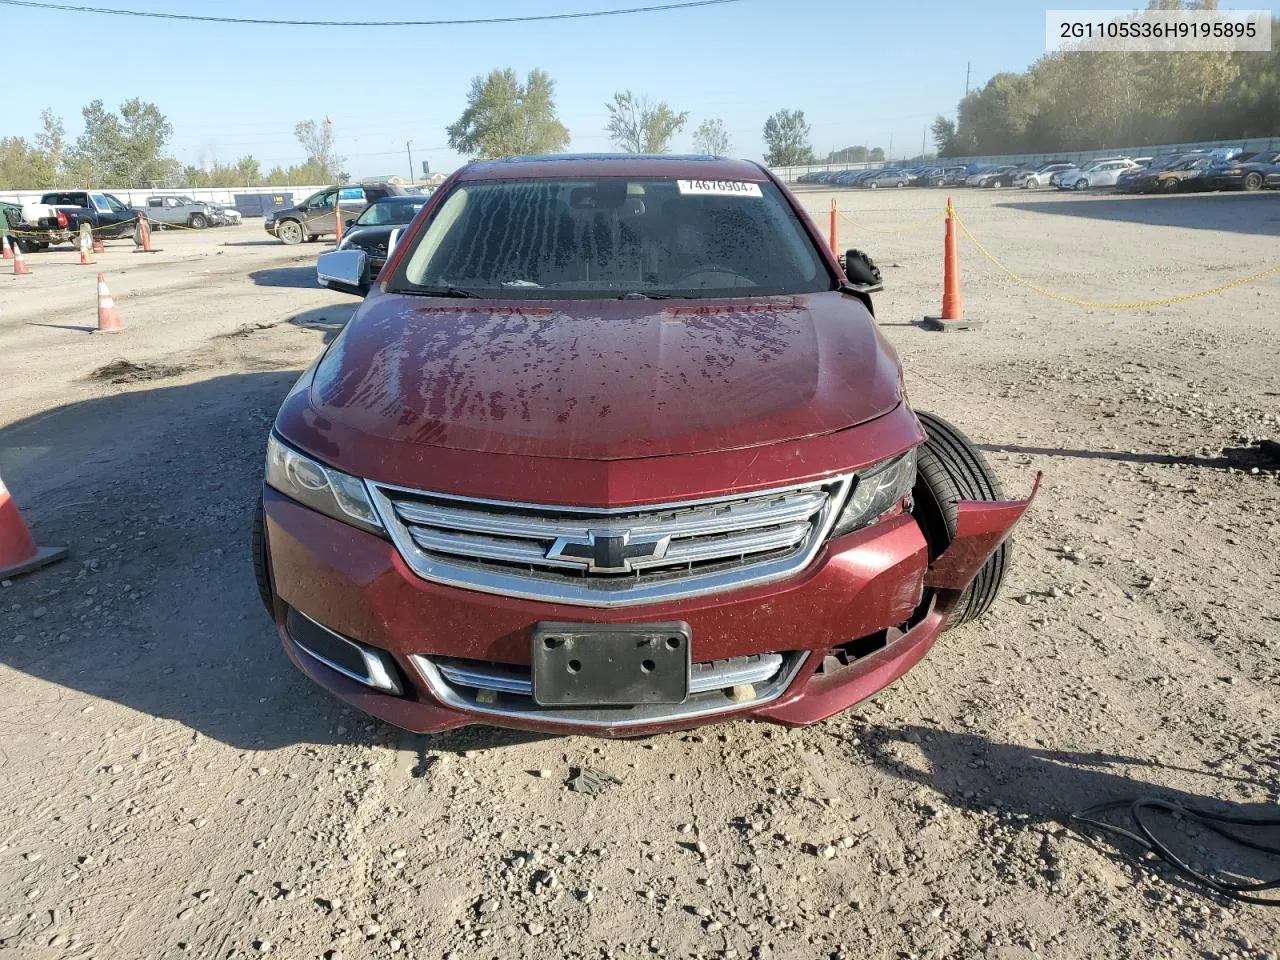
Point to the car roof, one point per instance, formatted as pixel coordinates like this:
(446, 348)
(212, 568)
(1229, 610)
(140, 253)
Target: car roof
(572, 165)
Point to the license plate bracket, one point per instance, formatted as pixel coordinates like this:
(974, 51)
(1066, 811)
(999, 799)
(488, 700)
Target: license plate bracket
(603, 665)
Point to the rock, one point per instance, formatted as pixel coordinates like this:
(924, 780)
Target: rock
(714, 926)
(534, 929)
(826, 851)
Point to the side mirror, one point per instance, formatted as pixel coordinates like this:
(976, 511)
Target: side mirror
(393, 240)
(862, 272)
(343, 269)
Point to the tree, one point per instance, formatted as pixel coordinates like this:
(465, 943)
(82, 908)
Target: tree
(637, 125)
(505, 118)
(99, 142)
(944, 136)
(144, 133)
(712, 138)
(51, 143)
(317, 141)
(787, 136)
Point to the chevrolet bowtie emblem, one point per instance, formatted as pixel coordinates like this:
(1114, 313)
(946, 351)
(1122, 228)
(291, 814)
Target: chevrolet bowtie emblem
(609, 552)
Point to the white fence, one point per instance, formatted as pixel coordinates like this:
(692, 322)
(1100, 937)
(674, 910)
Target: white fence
(138, 196)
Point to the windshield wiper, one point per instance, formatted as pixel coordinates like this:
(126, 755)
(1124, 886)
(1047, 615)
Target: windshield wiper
(447, 290)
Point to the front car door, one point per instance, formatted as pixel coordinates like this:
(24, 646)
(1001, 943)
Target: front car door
(319, 212)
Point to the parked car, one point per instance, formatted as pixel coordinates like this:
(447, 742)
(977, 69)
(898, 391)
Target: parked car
(886, 178)
(314, 218)
(1037, 177)
(179, 211)
(57, 217)
(1169, 177)
(515, 492)
(375, 232)
(1100, 173)
(1001, 176)
(1250, 173)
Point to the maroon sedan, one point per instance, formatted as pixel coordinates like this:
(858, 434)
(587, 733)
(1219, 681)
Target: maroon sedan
(615, 446)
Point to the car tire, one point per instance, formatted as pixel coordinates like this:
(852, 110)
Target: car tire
(198, 221)
(258, 549)
(872, 185)
(1253, 182)
(1082, 184)
(1171, 185)
(950, 468)
(291, 232)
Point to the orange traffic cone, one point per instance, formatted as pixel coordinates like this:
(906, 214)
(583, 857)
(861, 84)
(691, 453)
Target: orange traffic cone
(5, 250)
(108, 316)
(953, 317)
(18, 552)
(143, 239)
(98, 246)
(20, 267)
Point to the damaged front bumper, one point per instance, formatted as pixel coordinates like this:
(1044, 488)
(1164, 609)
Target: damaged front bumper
(795, 652)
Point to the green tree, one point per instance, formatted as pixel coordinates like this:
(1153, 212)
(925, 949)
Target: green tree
(51, 143)
(638, 125)
(317, 141)
(786, 134)
(505, 118)
(712, 138)
(144, 134)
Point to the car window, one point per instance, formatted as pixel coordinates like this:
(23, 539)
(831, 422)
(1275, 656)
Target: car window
(555, 239)
(155, 202)
(115, 205)
(383, 213)
(100, 202)
(322, 201)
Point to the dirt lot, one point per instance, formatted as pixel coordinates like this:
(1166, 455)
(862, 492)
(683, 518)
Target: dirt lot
(169, 783)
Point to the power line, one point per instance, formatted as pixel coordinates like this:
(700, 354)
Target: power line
(158, 15)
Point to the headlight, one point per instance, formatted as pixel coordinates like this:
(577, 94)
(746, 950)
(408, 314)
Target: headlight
(319, 487)
(875, 492)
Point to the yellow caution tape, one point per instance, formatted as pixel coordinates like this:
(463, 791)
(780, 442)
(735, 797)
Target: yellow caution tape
(909, 228)
(1138, 305)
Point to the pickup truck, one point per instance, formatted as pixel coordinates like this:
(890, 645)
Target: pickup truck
(180, 211)
(58, 215)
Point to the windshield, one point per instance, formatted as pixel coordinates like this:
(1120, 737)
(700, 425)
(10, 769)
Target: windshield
(553, 239)
(383, 213)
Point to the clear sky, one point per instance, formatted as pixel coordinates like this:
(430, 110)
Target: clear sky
(864, 73)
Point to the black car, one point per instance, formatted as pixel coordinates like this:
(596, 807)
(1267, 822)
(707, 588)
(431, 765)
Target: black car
(1250, 172)
(373, 230)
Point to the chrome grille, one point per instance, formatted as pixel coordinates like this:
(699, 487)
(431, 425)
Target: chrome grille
(506, 691)
(610, 557)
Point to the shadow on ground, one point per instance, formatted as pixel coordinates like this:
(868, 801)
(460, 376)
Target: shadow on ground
(1251, 213)
(303, 277)
(1236, 458)
(157, 608)
(1042, 787)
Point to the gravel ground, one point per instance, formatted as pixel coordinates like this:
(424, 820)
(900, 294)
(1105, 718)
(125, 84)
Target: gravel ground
(170, 785)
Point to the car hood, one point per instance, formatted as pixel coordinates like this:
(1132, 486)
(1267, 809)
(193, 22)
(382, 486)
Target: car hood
(605, 380)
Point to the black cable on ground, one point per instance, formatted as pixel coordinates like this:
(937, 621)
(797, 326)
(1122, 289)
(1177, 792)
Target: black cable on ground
(1245, 892)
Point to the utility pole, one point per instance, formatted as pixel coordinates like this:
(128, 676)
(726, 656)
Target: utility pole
(967, 67)
(890, 157)
(408, 148)
(923, 132)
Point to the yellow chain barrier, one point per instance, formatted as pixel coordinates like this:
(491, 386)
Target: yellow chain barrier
(1138, 305)
(909, 228)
